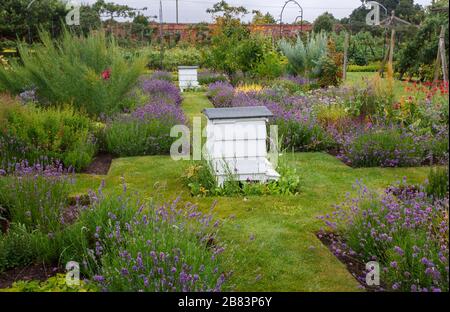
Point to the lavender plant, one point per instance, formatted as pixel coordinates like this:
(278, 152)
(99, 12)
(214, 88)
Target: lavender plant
(162, 90)
(142, 247)
(36, 196)
(403, 229)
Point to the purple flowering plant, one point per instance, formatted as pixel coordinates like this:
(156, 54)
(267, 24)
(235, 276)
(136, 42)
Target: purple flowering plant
(403, 229)
(143, 247)
(37, 195)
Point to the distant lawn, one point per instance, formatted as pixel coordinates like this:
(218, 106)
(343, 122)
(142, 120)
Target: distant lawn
(358, 78)
(285, 254)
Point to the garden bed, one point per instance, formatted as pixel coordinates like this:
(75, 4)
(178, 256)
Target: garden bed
(100, 165)
(355, 266)
(34, 272)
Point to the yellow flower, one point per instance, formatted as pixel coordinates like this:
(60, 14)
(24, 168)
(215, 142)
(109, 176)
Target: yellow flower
(249, 88)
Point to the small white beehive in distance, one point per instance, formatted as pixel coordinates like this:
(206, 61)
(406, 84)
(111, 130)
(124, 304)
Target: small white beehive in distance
(187, 77)
(237, 143)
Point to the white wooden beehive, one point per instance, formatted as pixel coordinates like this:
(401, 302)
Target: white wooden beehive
(236, 143)
(187, 77)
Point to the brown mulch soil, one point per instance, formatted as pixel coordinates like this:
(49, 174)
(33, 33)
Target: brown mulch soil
(39, 272)
(100, 165)
(353, 265)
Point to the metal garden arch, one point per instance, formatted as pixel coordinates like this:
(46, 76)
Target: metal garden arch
(282, 11)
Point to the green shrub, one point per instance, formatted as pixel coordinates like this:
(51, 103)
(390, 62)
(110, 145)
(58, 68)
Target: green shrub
(129, 137)
(88, 72)
(16, 248)
(271, 66)
(438, 183)
(374, 67)
(53, 284)
(32, 134)
(304, 58)
(303, 137)
(173, 58)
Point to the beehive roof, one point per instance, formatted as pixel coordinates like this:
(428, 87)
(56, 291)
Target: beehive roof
(237, 112)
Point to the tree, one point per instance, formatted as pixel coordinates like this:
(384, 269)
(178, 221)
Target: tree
(418, 55)
(114, 10)
(324, 22)
(409, 11)
(227, 11)
(18, 20)
(260, 19)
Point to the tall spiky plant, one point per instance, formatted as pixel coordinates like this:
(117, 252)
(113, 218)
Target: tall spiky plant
(89, 72)
(304, 57)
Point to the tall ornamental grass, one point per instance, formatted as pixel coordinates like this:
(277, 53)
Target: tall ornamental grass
(88, 72)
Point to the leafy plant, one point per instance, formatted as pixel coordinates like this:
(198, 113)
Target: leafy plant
(56, 283)
(44, 135)
(438, 183)
(88, 72)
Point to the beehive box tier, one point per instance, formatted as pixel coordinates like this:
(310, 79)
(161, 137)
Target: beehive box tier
(187, 77)
(237, 143)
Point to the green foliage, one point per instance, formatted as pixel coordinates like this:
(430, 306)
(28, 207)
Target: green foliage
(136, 138)
(304, 58)
(16, 248)
(331, 67)
(371, 68)
(303, 136)
(262, 19)
(53, 284)
(19, 21)
(422, 48)
(88, 72)
(200, 180)
(324, 23)
(438, 183)
(31, 133)
(175, 57)
(270, 67)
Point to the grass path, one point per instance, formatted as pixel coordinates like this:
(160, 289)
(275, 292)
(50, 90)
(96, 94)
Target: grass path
(271, 240)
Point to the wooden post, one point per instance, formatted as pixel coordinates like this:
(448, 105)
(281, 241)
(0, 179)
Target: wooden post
(391, 48)
(437, 64)
(346, 42)
(389, 53)
(442, 53)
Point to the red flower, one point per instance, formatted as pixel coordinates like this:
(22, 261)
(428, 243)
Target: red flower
(106, 74)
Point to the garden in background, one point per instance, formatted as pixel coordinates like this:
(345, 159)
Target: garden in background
(86, 175)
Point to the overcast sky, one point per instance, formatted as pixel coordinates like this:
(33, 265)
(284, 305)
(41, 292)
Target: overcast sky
(194, 11)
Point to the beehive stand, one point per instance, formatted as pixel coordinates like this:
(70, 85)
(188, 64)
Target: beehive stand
(187, 77)
(236, 143)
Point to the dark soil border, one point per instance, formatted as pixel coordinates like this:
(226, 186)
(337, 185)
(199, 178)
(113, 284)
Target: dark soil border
(355, 267)
(35, 272)
(100, 165)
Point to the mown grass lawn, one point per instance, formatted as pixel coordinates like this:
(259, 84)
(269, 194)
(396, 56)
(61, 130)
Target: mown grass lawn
(271, 242)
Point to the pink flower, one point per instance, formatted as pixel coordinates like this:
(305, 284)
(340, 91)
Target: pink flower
(106, 74)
